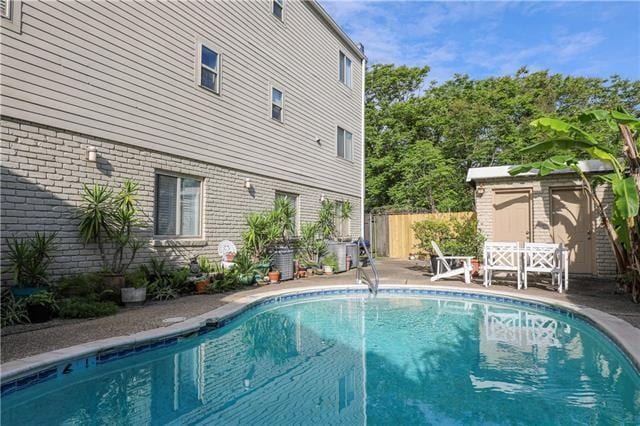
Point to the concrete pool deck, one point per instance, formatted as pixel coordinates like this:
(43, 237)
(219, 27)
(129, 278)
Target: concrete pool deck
(19, 342)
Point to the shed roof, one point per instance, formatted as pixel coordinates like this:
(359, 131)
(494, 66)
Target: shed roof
(497, 172)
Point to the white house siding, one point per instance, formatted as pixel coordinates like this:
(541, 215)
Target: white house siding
(121, 76)
(540, 214)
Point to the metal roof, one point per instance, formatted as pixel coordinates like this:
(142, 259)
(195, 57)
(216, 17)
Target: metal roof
(497, 172)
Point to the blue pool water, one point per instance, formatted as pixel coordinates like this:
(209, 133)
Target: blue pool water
(354, 360)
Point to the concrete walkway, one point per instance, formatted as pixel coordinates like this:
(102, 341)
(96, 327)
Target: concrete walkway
(22, 341)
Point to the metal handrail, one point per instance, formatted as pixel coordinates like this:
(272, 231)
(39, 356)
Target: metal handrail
(361, 275)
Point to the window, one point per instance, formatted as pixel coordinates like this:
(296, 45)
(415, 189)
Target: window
(345, 144)
(209, 69)
(293, 199)
(278, 8)
(345, 69)
(177, 206)
(5, 8)
(277, 104)
(342, 224)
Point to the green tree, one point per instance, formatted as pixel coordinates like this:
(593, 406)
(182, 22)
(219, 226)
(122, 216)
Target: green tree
(422, 139)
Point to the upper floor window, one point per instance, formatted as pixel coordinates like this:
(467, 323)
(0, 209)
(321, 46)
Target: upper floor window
(178, 206)
(278, 8)
(209, 69)
(345, 69)
(5, 8)
(345, 144)
(277, 104)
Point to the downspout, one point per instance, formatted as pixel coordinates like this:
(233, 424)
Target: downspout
(362, 140)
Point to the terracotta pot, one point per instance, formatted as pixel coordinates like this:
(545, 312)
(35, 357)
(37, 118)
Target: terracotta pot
(229, 257)
(201, 286)
(475, 268)
(274, 277)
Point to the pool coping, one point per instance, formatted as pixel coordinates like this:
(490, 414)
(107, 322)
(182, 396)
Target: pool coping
(43, 366)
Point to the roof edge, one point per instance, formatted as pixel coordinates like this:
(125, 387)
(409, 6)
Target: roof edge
(498, 172)
(334, 26)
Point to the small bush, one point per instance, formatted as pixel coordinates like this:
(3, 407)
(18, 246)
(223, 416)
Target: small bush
(86, 308)
(80, 285)
(454, 236)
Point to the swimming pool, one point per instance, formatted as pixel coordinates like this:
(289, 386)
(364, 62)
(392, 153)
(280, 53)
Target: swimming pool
(350, 359)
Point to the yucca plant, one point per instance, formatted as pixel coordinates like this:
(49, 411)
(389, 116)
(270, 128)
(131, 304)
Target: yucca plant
(260, 234)
(30, 258)
(109, 221)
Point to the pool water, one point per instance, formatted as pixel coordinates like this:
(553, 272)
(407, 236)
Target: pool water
(357, 360)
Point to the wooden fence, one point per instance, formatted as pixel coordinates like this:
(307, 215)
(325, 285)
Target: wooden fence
(391, 234)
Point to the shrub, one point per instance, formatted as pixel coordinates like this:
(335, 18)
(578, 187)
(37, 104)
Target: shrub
(29, 259)
(86, 308)
(80, 285)
(12, 310)
(454, 236)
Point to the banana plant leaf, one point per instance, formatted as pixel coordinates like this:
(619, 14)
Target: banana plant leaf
(626, 200)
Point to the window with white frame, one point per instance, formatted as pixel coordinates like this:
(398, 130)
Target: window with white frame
(278, 8)
(277, 104)
(5, 8)
(178, 206)
(209, 69)
(293, 199)
(342, 224)
(345, 144)
(345, 69)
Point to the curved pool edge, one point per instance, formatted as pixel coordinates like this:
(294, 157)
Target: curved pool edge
(39, 367)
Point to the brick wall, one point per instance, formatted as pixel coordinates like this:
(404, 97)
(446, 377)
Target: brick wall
(541, 224)
(44, 168)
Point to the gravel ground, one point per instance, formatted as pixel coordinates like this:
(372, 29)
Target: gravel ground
(26, 340)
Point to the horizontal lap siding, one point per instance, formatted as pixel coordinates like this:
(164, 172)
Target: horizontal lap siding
(125, 71)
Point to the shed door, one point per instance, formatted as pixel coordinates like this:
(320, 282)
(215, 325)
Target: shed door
(511, 215)
(571, 225)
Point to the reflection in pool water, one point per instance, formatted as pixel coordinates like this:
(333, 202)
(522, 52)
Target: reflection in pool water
(354, 361)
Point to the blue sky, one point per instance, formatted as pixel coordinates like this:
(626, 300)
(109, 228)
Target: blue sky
(595, 39)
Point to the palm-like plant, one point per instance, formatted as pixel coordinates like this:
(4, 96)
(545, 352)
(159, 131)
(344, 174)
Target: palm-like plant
(260, 234)
(108, 219)
(30, 258)
(283, 216)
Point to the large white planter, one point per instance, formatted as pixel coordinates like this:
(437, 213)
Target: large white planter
(133, 296)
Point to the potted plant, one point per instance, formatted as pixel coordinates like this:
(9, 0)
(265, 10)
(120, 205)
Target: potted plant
(135, 290)
(329, 264)
(202, 280)
(109, 220)
(29, 260)
(41, 306)
(283, 218)
(245, 269)
(274, 276)
(466, 240)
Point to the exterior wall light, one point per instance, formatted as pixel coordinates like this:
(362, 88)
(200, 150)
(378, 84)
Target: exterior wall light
(247, 183)
(323, 198)
(92, 154)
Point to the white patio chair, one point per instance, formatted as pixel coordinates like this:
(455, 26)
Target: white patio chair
(501, 256)
(444, 270)
(224, 248)
(545, 258)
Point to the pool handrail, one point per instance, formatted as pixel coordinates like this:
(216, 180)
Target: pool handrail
(361, 275)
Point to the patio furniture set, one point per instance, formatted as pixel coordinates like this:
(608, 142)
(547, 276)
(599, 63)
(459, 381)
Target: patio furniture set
(510, 257)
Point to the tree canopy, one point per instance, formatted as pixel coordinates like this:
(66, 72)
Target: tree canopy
(421, 138)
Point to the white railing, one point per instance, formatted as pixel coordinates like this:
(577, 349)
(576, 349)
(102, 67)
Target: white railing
(361, 275)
